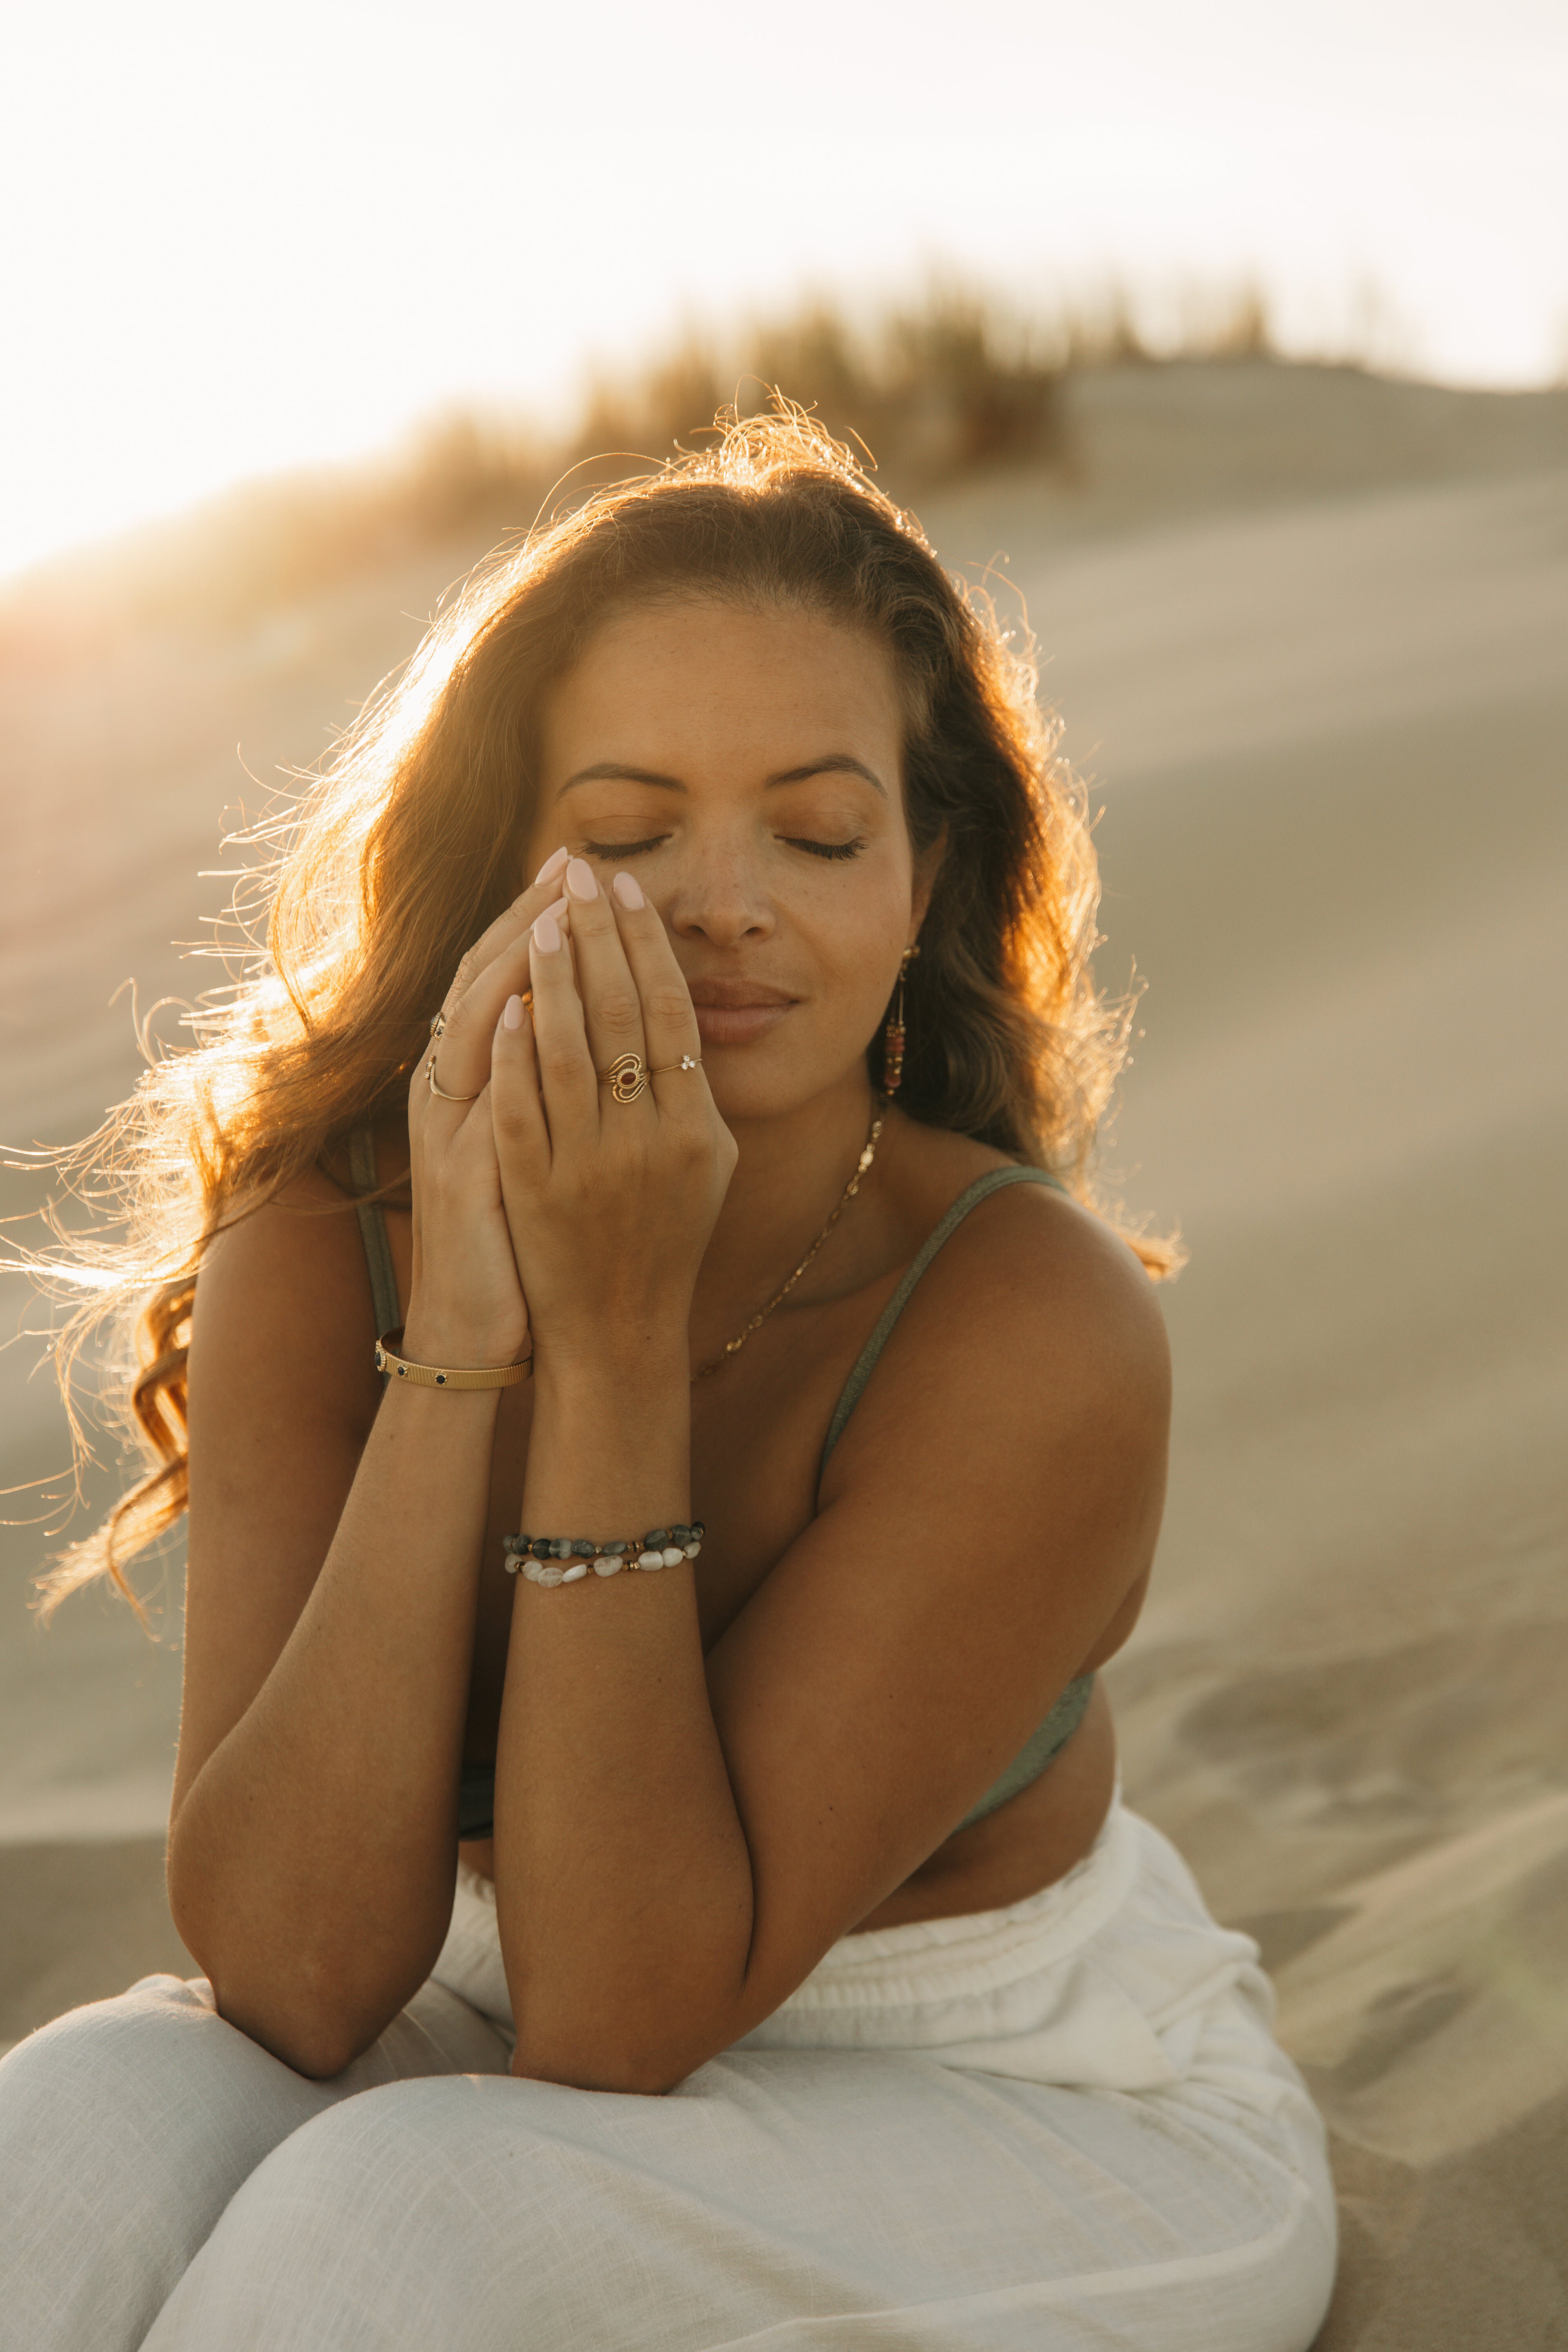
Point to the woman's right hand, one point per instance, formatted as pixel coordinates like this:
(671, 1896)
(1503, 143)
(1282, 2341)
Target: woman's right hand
(467, 1306)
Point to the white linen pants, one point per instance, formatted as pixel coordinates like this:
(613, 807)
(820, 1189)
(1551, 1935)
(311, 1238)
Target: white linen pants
(1058, 2126)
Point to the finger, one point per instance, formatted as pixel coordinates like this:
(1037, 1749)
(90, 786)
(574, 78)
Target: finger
(669, 1023)
(517, 1109)
(512, 924)
(460, 1056)
(611, 1006)
(567, 1084)
(507, 935)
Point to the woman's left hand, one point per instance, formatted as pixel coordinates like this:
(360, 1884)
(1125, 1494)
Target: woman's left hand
(610, 1203)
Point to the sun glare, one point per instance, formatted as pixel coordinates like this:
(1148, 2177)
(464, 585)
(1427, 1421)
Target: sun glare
(239, 241)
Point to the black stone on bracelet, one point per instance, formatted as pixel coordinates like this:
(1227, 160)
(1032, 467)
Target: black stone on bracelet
(584, 1547)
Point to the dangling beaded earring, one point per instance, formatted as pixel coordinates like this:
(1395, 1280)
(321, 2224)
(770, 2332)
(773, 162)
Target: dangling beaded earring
(893, 1034)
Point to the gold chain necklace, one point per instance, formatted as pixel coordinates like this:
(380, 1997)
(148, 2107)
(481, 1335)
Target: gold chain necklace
(868, 1154)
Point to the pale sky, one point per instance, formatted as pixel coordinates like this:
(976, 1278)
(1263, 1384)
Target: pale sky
(238, 240)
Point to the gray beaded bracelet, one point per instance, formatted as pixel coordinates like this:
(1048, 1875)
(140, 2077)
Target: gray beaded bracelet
(566, 1559)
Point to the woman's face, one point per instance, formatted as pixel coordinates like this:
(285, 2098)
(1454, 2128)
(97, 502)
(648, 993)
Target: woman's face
(746, 766)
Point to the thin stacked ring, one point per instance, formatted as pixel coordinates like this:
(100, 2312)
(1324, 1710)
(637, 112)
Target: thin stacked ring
(440, 1091)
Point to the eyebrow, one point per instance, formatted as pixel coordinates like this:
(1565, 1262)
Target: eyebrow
(835, 764)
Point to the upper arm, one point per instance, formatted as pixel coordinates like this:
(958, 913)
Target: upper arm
(994, 1498)
(282, 1393)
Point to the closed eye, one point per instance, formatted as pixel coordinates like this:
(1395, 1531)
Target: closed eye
(623, 848)
(826, 848)
(834, 849)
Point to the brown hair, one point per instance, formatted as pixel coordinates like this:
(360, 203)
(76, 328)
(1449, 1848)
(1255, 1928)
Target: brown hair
(412, 841)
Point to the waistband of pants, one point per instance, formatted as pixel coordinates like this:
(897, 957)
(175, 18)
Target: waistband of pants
(977, 1952)
(1114, 1978)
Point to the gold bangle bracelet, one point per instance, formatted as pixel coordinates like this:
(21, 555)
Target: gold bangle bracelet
(447, 1376)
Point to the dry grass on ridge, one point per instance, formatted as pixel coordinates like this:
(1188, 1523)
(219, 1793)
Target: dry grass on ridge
(934, 391)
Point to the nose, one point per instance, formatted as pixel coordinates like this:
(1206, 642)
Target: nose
(722, 897)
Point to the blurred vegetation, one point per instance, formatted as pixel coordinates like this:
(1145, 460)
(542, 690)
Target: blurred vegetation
(946, 386)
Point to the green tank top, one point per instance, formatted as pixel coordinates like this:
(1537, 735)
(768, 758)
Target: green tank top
(476, 1800)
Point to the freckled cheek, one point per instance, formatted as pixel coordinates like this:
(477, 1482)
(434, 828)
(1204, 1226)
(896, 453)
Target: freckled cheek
(853, 939)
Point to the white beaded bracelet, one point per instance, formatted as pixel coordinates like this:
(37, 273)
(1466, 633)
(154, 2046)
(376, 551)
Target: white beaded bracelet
(566, 1559)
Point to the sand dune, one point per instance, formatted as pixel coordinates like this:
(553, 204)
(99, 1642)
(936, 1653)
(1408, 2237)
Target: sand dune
(1307, 633)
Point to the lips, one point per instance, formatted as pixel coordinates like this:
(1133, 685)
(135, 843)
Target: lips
(738, 1011)
(737, 994)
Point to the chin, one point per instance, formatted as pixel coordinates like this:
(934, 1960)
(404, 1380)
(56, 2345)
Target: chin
(749, 1083)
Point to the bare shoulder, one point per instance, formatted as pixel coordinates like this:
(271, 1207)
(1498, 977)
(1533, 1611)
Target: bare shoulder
(1045, 1271)
(1028, 1263)
(1033, 1328)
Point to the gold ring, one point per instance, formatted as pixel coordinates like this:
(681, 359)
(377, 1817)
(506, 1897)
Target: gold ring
(441, 1092)
(627, 1077)
(438, 1024)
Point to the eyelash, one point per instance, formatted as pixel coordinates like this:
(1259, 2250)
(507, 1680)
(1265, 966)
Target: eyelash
(837, 850)
(607, 850)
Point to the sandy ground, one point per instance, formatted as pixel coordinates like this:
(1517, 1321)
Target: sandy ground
(1307, 631)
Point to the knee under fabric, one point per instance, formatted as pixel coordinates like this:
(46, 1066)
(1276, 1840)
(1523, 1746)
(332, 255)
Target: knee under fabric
(126, 2127)
(951, 2171)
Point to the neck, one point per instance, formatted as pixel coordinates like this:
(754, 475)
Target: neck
(789, 1175)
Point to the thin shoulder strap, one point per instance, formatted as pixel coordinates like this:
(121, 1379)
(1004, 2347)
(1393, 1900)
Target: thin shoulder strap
(373, 1229)
(969, 1199)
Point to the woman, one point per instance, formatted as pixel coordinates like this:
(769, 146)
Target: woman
(803, 1980)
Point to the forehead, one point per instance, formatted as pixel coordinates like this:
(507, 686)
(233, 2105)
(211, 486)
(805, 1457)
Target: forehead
(681, 682)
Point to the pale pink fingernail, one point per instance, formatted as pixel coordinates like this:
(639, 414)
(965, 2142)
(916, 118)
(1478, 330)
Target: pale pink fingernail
(580, 878)
(547, 933)
(551, 867)
(627, 891)
(512, 1017)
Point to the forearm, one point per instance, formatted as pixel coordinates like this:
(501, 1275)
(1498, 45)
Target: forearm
(311, 1859)
(623, 1878)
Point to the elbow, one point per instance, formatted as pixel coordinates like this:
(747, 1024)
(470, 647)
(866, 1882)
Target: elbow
(309, 2037)
(302, 1998)
(307, 2018)
(640, 2058)
(319, 2057)
(641, 2034)
(634, 2074)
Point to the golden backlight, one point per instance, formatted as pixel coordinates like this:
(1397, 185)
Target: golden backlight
(243, 239)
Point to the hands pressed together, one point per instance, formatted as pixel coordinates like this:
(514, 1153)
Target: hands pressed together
(545, 1202)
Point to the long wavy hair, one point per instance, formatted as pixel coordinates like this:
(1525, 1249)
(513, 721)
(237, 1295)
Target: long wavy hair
(411, 839)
